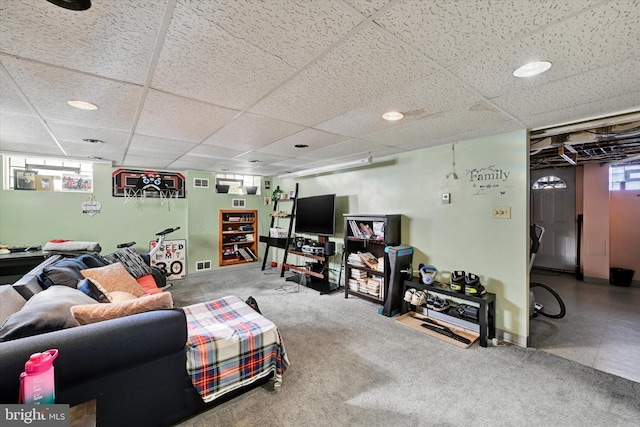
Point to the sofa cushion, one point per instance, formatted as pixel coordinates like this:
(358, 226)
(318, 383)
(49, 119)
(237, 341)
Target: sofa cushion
(46, 311)
(94, 290)
(131, 260)
(28, 286)
(93, 260)
(10, 302)
(93, 313)
(64, 272)
(114, 277)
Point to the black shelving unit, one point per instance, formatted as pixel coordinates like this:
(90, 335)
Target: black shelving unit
(374, 244)
(280, 242)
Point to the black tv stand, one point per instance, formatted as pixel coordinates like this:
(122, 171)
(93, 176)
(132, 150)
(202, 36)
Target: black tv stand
(315, 274)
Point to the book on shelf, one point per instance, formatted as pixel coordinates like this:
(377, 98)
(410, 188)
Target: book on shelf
(251, 254)
(378, 230)
(355, 230)
(369, 259)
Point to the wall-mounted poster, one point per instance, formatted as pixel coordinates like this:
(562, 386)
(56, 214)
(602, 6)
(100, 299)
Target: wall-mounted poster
(147, 183)
(75, 182)
(171, 258)
(44, 182)
(24, 179)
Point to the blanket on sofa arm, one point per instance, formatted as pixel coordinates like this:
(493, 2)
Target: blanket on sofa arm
(230, 345)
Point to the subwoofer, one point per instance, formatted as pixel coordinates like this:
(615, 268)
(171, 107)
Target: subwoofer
(329, 248)
(298, 243)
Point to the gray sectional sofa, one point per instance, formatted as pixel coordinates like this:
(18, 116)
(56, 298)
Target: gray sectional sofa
(134, 367)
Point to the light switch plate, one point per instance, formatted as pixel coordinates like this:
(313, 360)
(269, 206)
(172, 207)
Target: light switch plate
(501, 212)
(446, 198)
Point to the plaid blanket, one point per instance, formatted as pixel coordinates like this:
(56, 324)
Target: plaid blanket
(231, 345)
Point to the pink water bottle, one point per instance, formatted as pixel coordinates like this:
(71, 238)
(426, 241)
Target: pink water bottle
(37, 381)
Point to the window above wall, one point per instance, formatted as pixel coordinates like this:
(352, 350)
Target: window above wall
(239, 184)
(44, 174)
(624, 177)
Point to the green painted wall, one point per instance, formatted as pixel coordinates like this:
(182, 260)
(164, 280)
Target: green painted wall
(458, 236)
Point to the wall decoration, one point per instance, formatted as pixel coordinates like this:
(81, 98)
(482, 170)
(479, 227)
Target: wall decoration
(44, 182)
(489, 179)
(267, 185)
(91, 206)
(24, 179)
(148, 184)
(75, 182)
(171, 258)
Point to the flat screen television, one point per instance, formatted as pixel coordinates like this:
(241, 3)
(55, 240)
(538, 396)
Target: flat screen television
(316, 215)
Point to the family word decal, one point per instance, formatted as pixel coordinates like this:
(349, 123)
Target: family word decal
(488, 178)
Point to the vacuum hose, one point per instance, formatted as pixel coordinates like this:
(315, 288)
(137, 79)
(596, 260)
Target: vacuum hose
(563, 310)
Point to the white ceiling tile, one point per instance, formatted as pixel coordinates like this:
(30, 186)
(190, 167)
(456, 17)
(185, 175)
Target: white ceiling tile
(209, 43)
(313, 138)
(367, 65)
(204, 151)
(169, 116)
(249, 132)
(571, 92)
(16, 130)
(142, 145)
(367, 7)
(452, 32)
(579, 44)
(113, 39)
(417, 99)
(49, 89)
(10, 101)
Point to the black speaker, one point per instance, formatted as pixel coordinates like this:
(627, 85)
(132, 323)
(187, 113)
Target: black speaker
(298, 243)
(329, 248)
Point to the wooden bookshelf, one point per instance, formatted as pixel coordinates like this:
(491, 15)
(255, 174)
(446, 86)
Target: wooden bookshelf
(238, 241)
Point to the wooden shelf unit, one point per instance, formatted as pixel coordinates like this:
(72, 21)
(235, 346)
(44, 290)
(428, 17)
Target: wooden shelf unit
(235, 241)
(375, 245)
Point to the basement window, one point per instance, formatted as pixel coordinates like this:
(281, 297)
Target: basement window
(42, 174)
(240, 184)
(624, 177)
(548, 182)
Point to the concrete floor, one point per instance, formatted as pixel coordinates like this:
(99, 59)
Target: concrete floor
(601, 328)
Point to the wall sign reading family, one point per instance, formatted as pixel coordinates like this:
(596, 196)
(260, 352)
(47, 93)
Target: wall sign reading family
(490, 179)
(171, 258)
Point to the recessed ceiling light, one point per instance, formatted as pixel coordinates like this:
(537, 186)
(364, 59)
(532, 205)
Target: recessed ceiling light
(83, 105)
(532, 69)
(93, 141)
(392, 116)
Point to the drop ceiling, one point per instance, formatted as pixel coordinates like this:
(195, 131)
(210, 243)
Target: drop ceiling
(235, 85)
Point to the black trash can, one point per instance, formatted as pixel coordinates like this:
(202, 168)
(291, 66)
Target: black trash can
(620, 276)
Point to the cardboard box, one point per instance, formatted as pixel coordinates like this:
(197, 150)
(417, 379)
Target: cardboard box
(413, 321)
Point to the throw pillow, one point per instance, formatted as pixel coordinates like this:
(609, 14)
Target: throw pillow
(64, 272)
(119, 296)
(10, 302)
(114, 277)
(46, 311)
(93, 260)
(149, 285)
(94, 290)
(28, 286)
(93, 313)
(132, 261)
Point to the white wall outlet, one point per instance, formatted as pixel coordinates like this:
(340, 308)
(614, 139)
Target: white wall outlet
(501, 212)
(446, 198)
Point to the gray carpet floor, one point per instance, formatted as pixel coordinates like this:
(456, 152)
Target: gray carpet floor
(351, 366)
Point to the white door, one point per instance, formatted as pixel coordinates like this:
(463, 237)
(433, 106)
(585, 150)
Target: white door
(554, 208)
